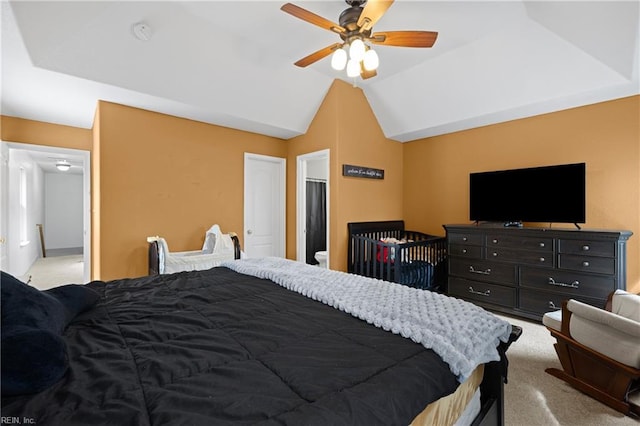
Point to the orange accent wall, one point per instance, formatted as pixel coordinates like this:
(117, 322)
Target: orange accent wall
(153, 173)
(606, 136)
(321, 134)
(14, 129)
(346, 125)
(166, 175)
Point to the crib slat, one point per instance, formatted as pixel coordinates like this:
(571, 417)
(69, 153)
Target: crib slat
(421, 262)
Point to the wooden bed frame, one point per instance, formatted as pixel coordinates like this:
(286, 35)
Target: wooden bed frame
(492, 386)
(154, 253)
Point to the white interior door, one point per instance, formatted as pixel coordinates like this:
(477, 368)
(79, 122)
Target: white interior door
(264, 205)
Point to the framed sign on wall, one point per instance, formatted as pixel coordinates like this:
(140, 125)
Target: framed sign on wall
(362, 172)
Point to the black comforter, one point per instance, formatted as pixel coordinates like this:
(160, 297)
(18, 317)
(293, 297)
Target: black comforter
(217, 347)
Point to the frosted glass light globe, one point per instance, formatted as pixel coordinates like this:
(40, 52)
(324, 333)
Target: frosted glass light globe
(356, 50)
(371, 60)
(353, 68)
(339, 59)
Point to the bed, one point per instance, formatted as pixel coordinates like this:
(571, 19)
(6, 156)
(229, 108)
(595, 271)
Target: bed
(256, 341)
(387, 251)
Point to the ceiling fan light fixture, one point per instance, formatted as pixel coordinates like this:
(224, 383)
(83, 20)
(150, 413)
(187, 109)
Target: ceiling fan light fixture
(63, 166)
(370, 60)
(353, 68)
(339, 59)
(357, 50)
(355, 27)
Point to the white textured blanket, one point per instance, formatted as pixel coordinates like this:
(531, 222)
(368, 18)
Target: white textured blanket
(464, 335)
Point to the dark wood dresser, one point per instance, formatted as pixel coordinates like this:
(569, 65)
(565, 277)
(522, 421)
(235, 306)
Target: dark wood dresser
(530, 271)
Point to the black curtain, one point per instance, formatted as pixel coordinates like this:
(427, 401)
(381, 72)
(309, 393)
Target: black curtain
(316, 219)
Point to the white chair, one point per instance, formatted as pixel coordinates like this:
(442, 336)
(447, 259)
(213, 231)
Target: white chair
(599, 349)
(217, 247)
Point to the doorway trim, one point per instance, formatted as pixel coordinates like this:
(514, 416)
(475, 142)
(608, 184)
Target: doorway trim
(86, 193)
(301, 201)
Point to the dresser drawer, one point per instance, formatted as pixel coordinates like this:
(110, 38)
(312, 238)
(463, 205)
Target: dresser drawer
(471, 252)
(540, 267)
(587, 247)
(483, 292)
(540, 302)
(466, 238)
(527, 243)
(572, 284)
(544, 259)
(600, 265)
(481, 270)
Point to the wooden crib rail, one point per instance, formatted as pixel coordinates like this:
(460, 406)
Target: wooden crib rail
(419, 262)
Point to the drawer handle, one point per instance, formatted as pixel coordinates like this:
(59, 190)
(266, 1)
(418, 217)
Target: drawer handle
(474, 271)
(541, 244)
(585, 248)
(553, 305)
(464, 251)
(481, 293)
(495, 241)
(542, 259)
(494, 254)
(585, 264)
(574, 284)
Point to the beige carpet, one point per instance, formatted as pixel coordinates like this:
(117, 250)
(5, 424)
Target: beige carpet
(53, 271)
(533, 397)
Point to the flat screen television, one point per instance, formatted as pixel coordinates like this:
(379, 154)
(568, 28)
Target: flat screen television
(537, 194)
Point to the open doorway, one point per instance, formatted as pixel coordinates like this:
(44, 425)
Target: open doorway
(313, 208)
(47, 213)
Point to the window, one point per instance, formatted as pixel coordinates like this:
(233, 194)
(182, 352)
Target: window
(24, 237)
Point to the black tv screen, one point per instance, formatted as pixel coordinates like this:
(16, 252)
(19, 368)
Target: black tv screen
(538, 194)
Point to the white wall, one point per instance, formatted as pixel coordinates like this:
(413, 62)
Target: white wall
(21, 257)
(63, 198)
(317, 169)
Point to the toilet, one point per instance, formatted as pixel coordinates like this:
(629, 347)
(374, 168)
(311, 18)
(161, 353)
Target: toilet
(321, 257)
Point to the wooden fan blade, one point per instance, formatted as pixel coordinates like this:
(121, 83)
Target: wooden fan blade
(312, 18)
(373, 10)
(405, 38)
(316, 56)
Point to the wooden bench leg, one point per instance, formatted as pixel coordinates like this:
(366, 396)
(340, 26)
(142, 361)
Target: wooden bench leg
(622, 406)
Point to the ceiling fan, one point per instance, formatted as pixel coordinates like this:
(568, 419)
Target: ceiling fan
(354, 28)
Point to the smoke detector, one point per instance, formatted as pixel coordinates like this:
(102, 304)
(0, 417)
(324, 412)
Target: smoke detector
(142, 31)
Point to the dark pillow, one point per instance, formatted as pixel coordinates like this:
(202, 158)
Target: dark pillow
(33, 351)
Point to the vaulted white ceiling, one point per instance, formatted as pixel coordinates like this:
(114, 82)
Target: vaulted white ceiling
(230, 63)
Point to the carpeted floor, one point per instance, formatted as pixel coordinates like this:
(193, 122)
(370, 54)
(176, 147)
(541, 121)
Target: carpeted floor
(533, 397)
(53, 271)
